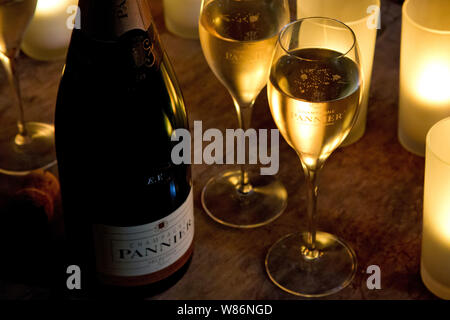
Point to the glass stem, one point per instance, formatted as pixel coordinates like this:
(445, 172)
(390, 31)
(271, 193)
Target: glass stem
(311, 180)
(244, 114)
(10, 64)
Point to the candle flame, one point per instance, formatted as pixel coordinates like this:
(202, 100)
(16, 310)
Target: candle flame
(432, 84)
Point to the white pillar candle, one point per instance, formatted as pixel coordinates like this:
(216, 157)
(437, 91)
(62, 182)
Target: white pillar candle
(435, 260)
(363, 17)
(181, 17)
(48, 36)
(424, 70)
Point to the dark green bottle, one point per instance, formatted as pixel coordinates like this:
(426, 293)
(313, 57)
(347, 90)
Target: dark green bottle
(128, 208)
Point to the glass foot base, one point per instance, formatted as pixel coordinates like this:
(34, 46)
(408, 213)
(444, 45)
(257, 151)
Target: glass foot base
(224, 203)
(37, 153)
(333, 269)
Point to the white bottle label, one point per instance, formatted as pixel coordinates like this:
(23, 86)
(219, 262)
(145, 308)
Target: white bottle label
(145, 249)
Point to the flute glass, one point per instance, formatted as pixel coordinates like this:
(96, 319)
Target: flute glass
(28, 145)
(238, 39)
(314, 95)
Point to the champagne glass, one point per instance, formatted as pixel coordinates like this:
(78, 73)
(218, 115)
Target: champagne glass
(29, 145)
(314, 94)
(238, 38)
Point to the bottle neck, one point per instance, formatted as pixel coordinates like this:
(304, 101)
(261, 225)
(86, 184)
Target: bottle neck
(109, 19)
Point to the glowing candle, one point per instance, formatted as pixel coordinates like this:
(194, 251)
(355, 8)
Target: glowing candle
(363, 17)
(435, 260)
(424, 70)
(181, 17)
(48, 35)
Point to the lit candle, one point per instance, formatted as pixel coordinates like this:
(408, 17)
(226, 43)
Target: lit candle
(48, 35)
(435, 260)
(181, 17)
(424, 70)
(363, 17)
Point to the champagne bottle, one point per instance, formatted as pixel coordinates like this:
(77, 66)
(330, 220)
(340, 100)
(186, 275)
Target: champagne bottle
(128, 208)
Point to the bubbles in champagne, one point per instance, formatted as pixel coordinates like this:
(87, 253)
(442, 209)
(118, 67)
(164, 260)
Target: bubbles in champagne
(238, 39)
(242, 21)
(309, 78)
(314, 96)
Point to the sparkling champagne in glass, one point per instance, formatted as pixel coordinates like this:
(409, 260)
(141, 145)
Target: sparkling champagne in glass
(314, 95)
(238, 38)
(29, 145)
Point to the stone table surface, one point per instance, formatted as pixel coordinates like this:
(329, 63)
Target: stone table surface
(370, 192)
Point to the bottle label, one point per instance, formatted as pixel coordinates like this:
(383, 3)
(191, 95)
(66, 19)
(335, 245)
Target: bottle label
(146, 249)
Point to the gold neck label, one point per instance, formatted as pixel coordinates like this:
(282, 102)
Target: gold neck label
(130, 15)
